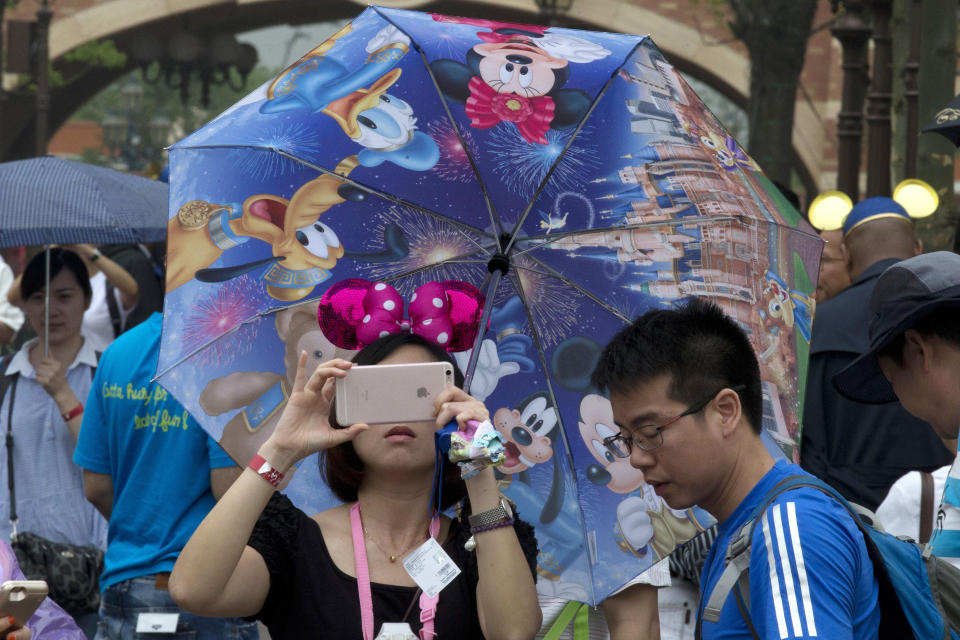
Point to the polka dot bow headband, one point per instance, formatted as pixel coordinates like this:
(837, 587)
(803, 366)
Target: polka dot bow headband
(353, 313)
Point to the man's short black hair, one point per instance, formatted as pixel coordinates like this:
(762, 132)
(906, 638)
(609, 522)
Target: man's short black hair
(697, 344)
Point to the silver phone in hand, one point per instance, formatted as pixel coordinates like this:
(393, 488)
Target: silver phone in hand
(382, 393)
(20, 598)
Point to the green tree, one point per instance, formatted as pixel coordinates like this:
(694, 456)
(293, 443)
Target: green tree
(159, 99)
(775, 33)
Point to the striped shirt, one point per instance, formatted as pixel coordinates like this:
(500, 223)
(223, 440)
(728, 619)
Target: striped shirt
(551, 606)
(946, 537)
(810, 575)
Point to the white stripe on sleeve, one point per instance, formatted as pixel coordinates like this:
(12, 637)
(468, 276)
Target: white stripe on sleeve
(801, 568)
(788, 584)
(774, 579)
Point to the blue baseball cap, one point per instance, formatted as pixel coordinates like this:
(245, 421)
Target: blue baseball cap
(873, 209)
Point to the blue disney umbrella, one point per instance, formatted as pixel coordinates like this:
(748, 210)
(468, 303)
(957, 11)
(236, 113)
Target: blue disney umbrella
(574, 177)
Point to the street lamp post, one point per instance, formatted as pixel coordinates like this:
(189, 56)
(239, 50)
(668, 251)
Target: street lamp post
(44, 16)
(124, 134)
(550, 9)
(212, 59)
(853, 33)
(879, 100)
(911, 81)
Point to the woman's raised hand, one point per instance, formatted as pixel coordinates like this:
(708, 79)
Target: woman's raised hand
(304, 425)
(455, 403)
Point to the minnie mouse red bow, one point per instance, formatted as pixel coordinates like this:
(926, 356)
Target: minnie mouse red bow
(487, 108)
(353, 313)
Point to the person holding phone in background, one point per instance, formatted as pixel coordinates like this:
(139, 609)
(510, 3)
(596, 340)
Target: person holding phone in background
(48, 621)
(257, 555)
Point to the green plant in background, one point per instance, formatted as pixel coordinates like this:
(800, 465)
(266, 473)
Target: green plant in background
(159, 99)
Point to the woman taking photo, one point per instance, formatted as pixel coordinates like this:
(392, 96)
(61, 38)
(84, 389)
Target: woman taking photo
(298, 574)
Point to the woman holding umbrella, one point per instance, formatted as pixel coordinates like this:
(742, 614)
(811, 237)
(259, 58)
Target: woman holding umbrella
(304, 576)
(42, 409)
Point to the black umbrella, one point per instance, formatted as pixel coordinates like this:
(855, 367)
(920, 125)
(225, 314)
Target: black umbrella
(947, 122)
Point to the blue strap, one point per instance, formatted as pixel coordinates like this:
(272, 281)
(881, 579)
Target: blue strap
(441, 442)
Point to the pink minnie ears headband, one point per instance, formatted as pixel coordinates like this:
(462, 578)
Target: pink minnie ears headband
(353, 313)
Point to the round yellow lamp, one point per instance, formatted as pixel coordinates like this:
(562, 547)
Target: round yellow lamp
(827, 211)
(917, 197)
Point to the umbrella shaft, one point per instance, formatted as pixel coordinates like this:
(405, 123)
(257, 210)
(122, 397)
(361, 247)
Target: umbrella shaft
(492, 284)
(46, 305)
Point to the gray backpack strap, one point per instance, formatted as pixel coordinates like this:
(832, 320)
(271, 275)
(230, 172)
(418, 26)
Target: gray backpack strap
(737, 570)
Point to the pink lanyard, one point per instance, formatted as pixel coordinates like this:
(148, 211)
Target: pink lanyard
(428, 605)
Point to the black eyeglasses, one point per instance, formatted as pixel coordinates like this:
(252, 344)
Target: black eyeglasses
(650, 437)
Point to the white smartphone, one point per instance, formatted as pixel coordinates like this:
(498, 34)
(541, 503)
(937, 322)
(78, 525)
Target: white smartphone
(391, 392)
(20, 598)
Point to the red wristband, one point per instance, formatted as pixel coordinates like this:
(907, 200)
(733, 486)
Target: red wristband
(265, 470)
(73, 413)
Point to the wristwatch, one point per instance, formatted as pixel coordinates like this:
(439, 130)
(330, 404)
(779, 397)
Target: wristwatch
(95, 255)
(501, 515)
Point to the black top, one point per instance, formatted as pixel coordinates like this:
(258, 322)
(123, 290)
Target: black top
(859, 449)
(311, 598)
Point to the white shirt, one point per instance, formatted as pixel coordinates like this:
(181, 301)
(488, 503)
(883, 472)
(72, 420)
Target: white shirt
(49, 486)
(97, 325)
(551, 606)
(899, 513)
(10, 315)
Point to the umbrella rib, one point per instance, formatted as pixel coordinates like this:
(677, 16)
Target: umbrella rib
(494, 218)
(546, 178)
(568, 450)
(460, 226)
(232, 329)
(554, 237)
(434, 265)
(553, 272)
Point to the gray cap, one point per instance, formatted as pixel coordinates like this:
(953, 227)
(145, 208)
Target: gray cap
(905, 293)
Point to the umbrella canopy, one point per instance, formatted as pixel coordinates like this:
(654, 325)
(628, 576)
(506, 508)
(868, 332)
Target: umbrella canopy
(947, 122)
(55, 201)
(572, 176)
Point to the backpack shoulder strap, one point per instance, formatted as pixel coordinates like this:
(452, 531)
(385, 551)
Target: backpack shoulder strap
(737, 562)
(116, 320)
(926, 507)
(5, 380)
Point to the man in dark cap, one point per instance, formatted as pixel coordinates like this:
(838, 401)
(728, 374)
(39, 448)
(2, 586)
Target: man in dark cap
(914, 356)
(862, 449)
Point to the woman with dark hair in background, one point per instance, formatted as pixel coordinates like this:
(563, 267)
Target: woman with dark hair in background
(299, 574)
(42, 408)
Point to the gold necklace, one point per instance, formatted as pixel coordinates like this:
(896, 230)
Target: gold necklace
(393, 556)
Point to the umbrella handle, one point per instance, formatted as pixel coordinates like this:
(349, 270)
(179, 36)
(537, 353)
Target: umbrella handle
(222, 274)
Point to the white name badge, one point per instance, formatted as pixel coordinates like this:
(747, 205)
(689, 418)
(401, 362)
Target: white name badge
(396, 631)
(157, 622)
(430, 567)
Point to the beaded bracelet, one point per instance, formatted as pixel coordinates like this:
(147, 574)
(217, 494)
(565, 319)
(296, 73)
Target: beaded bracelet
(491, 527)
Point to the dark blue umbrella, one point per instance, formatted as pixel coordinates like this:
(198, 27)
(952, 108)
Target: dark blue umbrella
(55, 201)
(947, 122)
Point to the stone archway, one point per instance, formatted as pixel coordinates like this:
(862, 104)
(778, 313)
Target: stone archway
(723, 66)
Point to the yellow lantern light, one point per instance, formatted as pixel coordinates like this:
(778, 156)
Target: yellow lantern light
(827, 211)
(917, 197)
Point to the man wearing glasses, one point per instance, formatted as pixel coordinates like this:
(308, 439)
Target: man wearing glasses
(685, 388)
